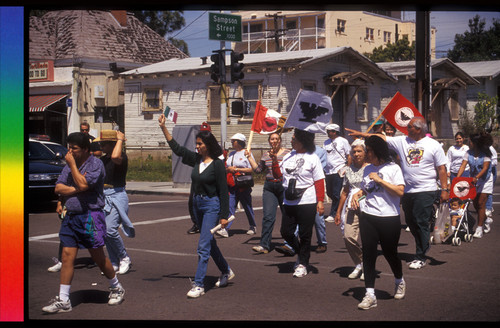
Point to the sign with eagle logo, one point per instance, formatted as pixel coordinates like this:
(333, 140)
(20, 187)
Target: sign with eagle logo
(463, 188)
(399, 112)
(311, 111)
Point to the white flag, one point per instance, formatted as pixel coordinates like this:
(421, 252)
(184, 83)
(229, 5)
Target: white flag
(311, 111)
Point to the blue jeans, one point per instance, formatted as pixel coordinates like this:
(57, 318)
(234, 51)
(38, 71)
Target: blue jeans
(333, 188)
(244, 196)
(272, 197)
(319, 225)
(489, 200)
(206, 211)
(418, 210)
(116, 210)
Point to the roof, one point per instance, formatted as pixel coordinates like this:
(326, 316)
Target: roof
(481, 69)
(68, 34)
(403, 68)
(293, 58)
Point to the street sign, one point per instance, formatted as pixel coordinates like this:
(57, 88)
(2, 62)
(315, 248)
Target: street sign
(224, 27)
(69, 102)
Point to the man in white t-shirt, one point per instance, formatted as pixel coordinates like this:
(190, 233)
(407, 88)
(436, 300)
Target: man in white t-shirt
(423, 163)
(338, 155)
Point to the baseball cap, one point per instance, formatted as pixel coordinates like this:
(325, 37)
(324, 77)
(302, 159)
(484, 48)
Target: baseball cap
(239, 136)
(333, 127)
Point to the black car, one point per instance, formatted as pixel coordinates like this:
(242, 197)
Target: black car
(44, 169)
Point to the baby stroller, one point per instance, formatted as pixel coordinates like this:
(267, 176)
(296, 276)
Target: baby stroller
(464, 189)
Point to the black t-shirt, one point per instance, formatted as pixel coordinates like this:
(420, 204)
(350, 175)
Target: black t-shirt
(115, 174)
(94, 146)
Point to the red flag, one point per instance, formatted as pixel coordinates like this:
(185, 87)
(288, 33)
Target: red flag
(463, 188)
(399, 112)
(266, 121)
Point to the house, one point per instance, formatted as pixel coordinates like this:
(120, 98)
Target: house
(74, 60)
(289, 30)
(450, 85)
(488, 75)
(184, 85)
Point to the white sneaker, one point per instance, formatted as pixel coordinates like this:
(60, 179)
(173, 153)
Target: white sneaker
(56, 267)
(354, 274)
(57, 305)
(416, 264)
(196, 292)
(252, 231)
(362, 278)
(368, 302)
(125, 265)
(486, 227)
(222, 232)
(300, 271)
(400, 290)
(116, 295)
(478, 233)
(407, 229)
(224, 278)
(329, 219)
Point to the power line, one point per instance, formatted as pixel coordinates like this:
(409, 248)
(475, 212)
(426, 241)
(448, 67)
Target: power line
(190, 23)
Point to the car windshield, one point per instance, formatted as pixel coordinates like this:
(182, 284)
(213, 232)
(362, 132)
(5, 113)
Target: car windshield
(56, 148)
(38, 151)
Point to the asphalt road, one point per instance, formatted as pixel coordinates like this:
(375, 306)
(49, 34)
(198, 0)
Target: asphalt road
(460, 283)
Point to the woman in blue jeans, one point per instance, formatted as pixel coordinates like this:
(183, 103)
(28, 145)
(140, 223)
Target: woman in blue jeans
(272, 195)
(210, 202)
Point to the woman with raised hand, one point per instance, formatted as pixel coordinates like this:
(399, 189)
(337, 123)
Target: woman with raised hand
(210, 201)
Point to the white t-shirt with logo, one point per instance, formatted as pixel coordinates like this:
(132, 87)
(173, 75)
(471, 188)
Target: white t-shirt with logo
(379, 201)
(305, 168)
(238, 159)
(337, 151)
(419, 162)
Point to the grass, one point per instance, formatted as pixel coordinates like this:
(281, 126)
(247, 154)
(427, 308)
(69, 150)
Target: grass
(155, 170)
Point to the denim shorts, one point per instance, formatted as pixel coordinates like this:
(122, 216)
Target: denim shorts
(86, 230)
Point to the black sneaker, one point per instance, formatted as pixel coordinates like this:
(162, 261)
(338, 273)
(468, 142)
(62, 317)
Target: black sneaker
(194, 229)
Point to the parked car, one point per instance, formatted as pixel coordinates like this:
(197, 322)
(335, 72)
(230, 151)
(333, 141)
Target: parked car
(45, 167)
(56, 148)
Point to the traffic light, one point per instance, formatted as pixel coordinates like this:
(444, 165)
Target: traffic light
(236, 67)
(218, 68)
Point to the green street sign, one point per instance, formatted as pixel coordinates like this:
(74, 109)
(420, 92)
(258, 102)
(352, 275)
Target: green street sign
(224, 27)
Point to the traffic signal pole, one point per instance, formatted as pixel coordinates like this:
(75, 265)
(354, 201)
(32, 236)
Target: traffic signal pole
(223, 101)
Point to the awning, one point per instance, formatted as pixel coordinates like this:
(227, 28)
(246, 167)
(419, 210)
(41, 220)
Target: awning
(41, 102)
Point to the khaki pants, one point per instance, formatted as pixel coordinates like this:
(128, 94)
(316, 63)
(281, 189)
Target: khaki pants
(351, 237)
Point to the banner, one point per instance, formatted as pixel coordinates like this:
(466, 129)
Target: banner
(311, 111)
(399, 112)
(266, 121)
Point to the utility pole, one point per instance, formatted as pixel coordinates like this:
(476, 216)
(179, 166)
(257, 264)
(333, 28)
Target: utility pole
(423, 64)
(277, 31)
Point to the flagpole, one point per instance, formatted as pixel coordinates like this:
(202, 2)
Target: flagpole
(250, 137)
(375, 121)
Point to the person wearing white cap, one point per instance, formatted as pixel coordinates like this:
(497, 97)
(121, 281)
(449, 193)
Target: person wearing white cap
(338, 156)
(237, 163)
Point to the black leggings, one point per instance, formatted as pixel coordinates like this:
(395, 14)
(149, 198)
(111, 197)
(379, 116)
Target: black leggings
(386, 230)
(303, 216)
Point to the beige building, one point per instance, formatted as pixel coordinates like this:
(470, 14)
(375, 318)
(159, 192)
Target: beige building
(270, 31)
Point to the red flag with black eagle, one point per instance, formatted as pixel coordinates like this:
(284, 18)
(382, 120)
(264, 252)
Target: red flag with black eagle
(399, 112)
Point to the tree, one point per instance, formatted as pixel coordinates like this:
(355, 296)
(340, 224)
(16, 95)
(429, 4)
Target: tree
(401, 50)
(163, 23)
(485, 115)
(477, 44)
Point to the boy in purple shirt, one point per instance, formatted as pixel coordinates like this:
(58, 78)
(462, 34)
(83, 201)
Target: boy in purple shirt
(80, 187)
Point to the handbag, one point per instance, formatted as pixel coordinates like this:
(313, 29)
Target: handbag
(244, 181)
(292, 193)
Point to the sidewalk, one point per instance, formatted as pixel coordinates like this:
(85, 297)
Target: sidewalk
(167, 188)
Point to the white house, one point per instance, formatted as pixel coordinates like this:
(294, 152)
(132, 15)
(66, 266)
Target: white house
(353, 81)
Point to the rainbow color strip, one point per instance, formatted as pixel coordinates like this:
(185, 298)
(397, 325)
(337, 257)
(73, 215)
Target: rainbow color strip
(11, 164)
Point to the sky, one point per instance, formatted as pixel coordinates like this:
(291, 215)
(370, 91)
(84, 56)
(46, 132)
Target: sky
(447, 23)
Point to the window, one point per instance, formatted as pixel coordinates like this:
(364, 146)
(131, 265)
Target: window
(387, 37)
(454, 106)
(253, 28)
(291, 25)
(340, 25)
(151, 99)
(214, 103)
(369, 34)
(310, 86)
(362, 105)
(321, 22)
(251, 94)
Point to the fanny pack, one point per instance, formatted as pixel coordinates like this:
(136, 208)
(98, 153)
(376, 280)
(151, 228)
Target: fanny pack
(293, 193)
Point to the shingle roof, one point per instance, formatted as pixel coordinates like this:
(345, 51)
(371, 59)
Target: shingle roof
(67, 34)
(481, 69)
